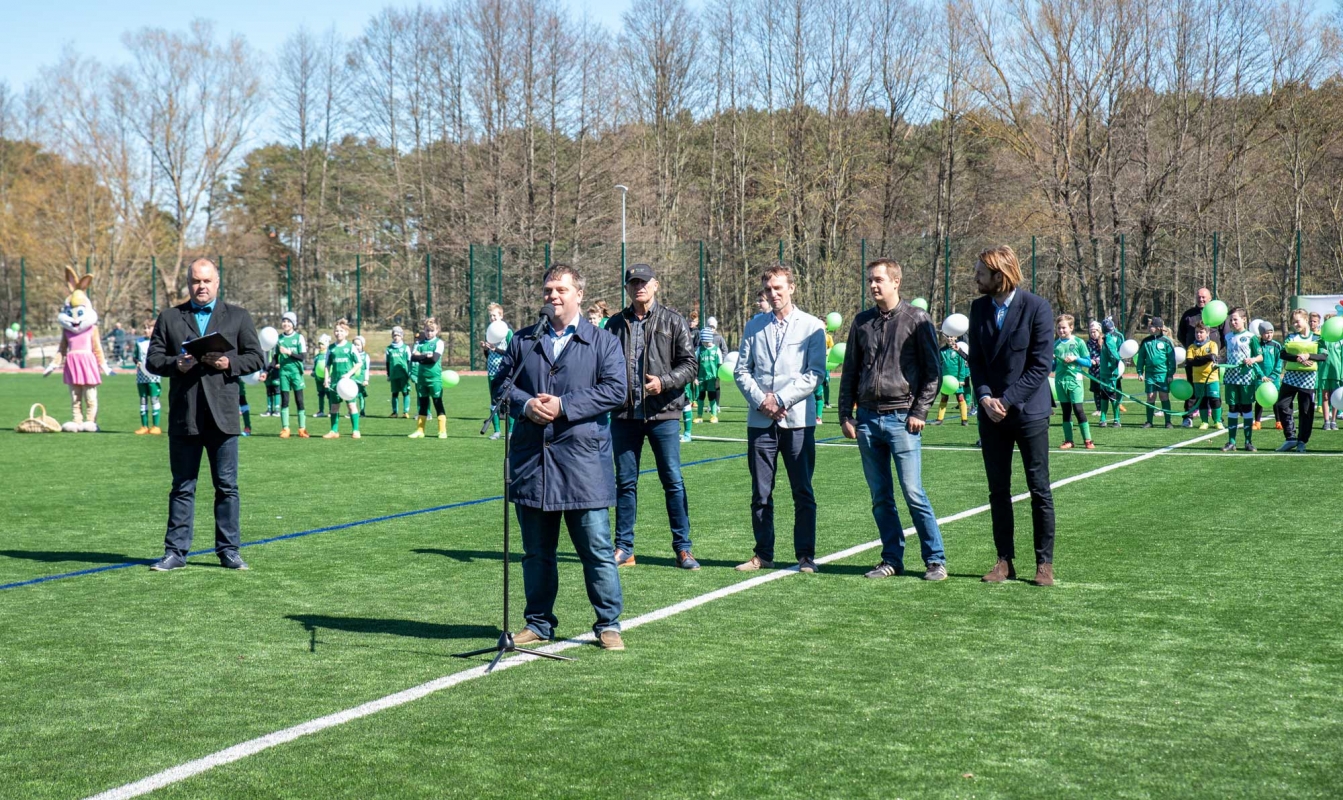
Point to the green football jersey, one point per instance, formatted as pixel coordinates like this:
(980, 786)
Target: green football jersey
(430, 375)
(1112, 366)
(1065, 373)
(954, 364)
(398, 361)
(1156, 359)
(298, 347)
(340, 359)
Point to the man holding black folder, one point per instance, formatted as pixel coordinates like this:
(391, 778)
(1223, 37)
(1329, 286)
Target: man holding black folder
(203, 346)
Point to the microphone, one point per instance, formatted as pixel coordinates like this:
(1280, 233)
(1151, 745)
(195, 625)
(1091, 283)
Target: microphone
(546, 315)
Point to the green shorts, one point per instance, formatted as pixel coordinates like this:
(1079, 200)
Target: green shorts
(1068, 392)
(148, 389)
(291, 378)
(1202, 390)
(711, 385)
(363, 390)
(1154, 387)
(430, 390)
(400, 385)
(1330, 385)
(1241, 395)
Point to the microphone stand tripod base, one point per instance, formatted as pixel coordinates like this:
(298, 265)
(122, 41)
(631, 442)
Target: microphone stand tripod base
(506, 645)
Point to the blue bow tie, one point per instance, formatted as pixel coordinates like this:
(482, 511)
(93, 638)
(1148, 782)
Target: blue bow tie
(198, 309)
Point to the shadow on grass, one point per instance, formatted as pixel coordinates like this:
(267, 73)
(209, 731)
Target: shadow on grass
(85, 557)
(472, 556)
(396, 627)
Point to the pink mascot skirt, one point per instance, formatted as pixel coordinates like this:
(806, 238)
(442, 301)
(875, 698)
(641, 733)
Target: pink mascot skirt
(81, 365)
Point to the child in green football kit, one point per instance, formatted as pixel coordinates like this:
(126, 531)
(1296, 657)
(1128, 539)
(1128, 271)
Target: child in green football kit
(398, 372)
(429, 379)
(1244, 355)
(1155, 364)
(319, 372)
(361, 377)
(289, 354)
(341, 362)
(1071, 359)
(709, 358)
(148, 385)
(955, 365)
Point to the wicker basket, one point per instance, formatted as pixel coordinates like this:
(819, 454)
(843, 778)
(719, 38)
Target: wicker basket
(38, 423)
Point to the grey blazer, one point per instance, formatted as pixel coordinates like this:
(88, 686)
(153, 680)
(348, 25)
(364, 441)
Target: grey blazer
(791, 372)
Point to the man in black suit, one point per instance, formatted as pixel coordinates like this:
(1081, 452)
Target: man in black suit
(1011, 353)
(203, 410)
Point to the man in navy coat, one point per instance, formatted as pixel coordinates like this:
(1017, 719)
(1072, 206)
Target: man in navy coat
(1011, 353)
(571, 376)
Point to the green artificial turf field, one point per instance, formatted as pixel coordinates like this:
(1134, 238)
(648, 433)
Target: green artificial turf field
(1191, 648)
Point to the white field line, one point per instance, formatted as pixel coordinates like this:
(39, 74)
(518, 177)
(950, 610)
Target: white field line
(1080, 451)
(253, 746)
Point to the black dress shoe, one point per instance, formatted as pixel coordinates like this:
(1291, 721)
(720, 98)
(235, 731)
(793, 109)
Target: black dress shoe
(168, 563)
(232, 561)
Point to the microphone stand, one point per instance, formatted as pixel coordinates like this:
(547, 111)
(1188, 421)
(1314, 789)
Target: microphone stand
(505, 643)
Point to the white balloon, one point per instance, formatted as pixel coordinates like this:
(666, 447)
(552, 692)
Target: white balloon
(252, 379)
(1336, 399)
(1179, 355)
(269, 338)
(955, 325)
(1254, 327)
(731, 359)
(1128, 349)
(11, 334)
(964, 347)
(347, 389)
(496, 333)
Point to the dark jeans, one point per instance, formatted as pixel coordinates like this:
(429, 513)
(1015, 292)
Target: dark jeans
(627, 444)
(996, 442)
(798, 448)
(590, 531)
(1283, 411)
(184, 458)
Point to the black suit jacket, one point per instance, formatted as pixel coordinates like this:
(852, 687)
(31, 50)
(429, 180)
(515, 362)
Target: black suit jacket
(1013, 363)
(203, 393)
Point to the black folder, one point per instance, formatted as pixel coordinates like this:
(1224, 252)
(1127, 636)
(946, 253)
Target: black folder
(214, 343)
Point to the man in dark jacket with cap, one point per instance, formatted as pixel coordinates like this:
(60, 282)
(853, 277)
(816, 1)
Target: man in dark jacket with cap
(660, 361)
(570, 376)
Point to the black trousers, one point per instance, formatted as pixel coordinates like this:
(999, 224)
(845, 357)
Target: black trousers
(1283, 410)
(184, 456)
(797, 446)
(997, 440)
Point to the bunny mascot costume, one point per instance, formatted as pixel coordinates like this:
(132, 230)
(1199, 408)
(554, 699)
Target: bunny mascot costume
(81, 354)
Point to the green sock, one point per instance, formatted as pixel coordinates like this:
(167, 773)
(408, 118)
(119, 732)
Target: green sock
(1086, 431)
(335, 419)
(1249, 429)
(354, 420)
(714, 408)
(1217, 415)
(144, 416)
(156, 417)
(687, 421)
(1103, 406)
(494, 420)
(1067, 430)
(302, 419)
(1165, 408)
(284, 417)
(1151, 413)
(1231, 423)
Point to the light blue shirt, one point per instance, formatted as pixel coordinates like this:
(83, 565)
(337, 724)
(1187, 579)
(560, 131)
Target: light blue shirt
(1000, 311)
(202, 316)
(556, 342)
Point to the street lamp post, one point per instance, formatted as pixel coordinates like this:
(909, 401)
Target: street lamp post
(624, 190)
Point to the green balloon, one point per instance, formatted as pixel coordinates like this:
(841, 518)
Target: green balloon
(1181, 389)
(1266, 395)
(725, 375)
(1054, 390)
(451, 378)
(1214, 313)
(950, 385)
(14, 326)
(833, 321)
(919, 302)
(836, 355)
(1331, 331)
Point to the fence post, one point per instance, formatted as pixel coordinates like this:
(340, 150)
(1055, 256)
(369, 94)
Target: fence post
(288, 283)
(471, 300)
(862, 274)
(780, 250)
(428, 286)
(622, 274)
(547, 258)
(153, 285)
(1032, 264)
(1214, 265)
(358, 295)
(1298, 261)
(23, 312)
(946, 278)
(1123, 301)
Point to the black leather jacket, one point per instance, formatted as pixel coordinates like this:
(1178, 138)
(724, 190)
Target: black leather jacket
(890, 363)
(668, 354)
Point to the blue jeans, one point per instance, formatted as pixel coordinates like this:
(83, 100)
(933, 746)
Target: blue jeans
(627, 444)
(590, 531)
(882, 437)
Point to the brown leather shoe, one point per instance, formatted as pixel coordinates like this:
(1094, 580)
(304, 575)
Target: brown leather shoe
(610, 640)
(624, 559)
(1044, 575)
(527, 636)
(1002, 571)
(754, 564)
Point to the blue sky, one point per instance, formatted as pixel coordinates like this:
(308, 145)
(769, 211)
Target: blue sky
(35, 31)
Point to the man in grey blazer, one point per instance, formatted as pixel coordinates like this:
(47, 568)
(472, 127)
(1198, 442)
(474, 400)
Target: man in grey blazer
(781, 360)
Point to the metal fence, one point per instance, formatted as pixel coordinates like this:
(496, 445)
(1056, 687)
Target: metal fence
(1128, 277)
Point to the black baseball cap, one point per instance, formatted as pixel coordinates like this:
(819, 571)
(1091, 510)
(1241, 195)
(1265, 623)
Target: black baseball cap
(639, 272)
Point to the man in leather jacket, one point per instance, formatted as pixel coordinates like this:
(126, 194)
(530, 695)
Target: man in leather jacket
(660, 362)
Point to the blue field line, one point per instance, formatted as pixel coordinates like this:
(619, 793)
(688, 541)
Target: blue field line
(327, 529)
